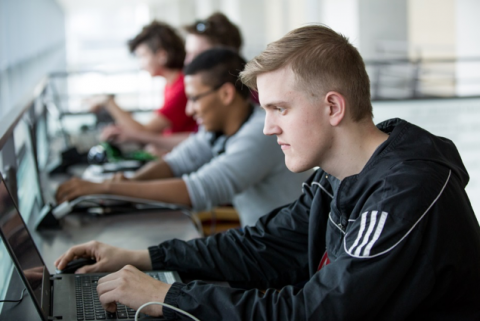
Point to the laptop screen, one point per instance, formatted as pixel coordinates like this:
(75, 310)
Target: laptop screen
(29, 194)
(19, 242)
(41, 136)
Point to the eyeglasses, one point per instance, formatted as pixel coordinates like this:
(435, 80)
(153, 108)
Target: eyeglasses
(199, 96)
(202, 25)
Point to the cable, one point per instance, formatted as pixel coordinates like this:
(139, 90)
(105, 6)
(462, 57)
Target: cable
(13, 301)
(167, 306)
(197, 222)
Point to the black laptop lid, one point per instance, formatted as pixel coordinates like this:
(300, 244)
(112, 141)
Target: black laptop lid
(20, 244)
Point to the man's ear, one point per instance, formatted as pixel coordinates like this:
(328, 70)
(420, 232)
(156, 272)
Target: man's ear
(337, 107)
(227, 93)
(161, 56)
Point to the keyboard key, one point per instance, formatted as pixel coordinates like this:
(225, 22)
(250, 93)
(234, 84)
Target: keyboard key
(122, 315)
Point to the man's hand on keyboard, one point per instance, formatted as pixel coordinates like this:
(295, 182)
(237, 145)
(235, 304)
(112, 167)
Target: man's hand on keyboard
(109, 258)
(133, 288)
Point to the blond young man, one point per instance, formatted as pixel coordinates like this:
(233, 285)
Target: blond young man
(383, 231)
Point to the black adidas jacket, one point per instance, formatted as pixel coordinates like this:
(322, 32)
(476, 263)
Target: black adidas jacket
(401, 236)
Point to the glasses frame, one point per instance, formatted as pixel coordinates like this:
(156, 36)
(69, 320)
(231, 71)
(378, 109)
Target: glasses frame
(195, 98)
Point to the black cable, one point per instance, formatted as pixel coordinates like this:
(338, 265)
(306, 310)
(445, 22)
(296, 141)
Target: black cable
(13, 301)
(213, 222)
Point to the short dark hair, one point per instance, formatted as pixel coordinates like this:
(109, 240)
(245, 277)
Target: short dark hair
(218, 66)
(158, 35)
(219, 31)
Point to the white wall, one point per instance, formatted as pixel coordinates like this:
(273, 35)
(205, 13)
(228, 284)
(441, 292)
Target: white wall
(31, 45)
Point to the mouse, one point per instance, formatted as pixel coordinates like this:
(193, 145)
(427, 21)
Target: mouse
(75, 264)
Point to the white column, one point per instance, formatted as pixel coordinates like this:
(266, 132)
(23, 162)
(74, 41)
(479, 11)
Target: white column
(275, 20)
(343, 17)
(205, 8)
(432, 36)
(249, 15)
(431, 28)
(468, 45)
(174, 12)
(381, 22)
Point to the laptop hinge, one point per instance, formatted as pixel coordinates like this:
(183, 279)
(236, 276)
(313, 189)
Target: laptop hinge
(56, 317)
(46, 297)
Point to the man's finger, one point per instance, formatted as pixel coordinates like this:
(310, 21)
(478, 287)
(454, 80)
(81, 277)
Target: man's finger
(57, 261)
(76, 251)
(108, 294)
(108, 278)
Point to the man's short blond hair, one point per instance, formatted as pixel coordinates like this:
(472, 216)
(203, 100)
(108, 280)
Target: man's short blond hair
(322, 61)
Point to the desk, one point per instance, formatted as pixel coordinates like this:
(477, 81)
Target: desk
(132, 231)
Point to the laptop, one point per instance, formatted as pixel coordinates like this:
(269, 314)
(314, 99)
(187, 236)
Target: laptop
(58, 296)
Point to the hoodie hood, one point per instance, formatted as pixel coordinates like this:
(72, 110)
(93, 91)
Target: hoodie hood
(408, 142)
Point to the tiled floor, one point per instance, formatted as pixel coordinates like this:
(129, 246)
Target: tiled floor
(456, 119)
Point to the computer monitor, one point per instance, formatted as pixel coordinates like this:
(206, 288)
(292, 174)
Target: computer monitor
(41, 143)
(57, 133)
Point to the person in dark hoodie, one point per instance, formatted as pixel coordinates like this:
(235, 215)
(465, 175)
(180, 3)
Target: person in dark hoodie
(383, 230)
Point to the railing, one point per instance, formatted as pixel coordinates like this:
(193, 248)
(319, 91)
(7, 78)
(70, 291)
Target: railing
(134, 89)
(424, 78)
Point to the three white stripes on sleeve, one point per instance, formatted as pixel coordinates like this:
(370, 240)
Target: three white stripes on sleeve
(365, 240)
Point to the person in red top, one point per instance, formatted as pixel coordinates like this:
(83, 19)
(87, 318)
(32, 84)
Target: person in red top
(161, 52)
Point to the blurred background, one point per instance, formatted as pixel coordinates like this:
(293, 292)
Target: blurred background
(423, 56)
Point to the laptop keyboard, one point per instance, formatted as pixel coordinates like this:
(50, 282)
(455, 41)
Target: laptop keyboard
(89, 306)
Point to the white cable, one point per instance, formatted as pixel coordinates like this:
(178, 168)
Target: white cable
(167, 306)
